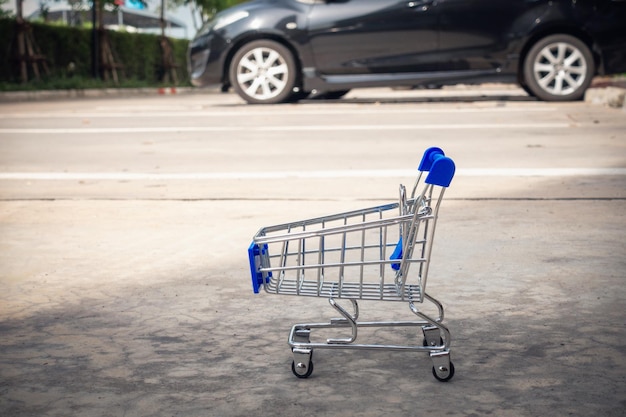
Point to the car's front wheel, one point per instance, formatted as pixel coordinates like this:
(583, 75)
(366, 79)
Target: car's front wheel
(263, 72)
(558, 68)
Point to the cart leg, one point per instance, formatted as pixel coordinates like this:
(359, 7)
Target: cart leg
(302, 365)
(302, 335)
(428, 336)
(432, 336)
(347, 318)
(443, 368)
(437, 304)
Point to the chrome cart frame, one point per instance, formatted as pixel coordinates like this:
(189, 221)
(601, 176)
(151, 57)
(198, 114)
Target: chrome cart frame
(379, 253)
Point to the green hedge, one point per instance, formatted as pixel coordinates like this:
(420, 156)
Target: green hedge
(68, 54)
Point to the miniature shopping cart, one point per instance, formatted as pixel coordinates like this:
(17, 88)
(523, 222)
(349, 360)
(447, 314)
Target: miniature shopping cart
(380, 253)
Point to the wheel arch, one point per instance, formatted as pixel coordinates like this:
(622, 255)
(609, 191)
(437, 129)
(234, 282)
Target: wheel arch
(240, 42)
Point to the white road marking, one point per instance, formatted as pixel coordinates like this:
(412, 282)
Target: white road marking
(146, 113)
(283, 128)
(382, 173)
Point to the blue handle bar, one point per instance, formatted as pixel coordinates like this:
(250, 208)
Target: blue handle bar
(440, 168)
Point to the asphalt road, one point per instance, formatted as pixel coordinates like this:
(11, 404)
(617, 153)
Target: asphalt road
(124, 224)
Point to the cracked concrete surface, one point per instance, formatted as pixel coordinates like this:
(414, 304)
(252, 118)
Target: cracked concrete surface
(135, 315)
(133, 298)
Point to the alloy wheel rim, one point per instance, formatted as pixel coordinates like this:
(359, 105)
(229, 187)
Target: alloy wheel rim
(262, 73)
(560, 68)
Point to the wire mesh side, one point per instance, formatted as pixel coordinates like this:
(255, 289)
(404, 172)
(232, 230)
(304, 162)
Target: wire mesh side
(344, 256)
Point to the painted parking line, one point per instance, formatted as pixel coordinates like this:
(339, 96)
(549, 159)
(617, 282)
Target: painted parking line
(199, 176)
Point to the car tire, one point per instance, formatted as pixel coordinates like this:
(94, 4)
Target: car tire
(558, 68)
(263, 72)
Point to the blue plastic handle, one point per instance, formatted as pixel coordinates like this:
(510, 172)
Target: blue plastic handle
(441, 172)
(430, 155)
(440, 168)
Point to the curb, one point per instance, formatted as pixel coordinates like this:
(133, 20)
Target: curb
(96, 93)
(607, 91)
(614, 97)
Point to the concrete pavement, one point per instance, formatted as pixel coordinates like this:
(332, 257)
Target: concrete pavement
(123, 318)
(117, 300)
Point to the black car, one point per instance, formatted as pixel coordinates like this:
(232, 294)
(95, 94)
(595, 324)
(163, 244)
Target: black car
(273, 51)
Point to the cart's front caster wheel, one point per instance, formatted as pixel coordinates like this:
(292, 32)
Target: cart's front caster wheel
(444, 373)
(302, 370)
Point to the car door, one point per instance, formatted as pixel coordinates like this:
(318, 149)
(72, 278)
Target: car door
(482, 34)
(373, 36)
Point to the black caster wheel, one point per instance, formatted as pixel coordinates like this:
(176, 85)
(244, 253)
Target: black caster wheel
(301, 370)
(444, 375)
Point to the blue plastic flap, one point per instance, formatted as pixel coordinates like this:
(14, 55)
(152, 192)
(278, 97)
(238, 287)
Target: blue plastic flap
(430, 155)
(254, 251)
(441, 171)
(396, 255)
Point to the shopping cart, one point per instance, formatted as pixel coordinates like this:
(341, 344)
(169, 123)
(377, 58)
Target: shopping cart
(380, 253)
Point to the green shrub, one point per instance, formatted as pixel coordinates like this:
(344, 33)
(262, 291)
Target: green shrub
(68, 56)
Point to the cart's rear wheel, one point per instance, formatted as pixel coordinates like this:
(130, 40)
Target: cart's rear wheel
(301, 370)
(442, 374)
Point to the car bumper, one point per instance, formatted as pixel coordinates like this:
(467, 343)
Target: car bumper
(205, 62)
